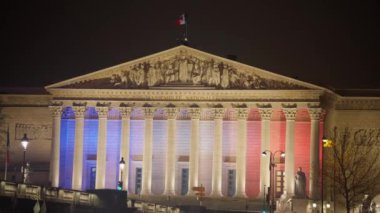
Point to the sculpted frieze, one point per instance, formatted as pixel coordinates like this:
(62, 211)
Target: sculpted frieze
(183, 70)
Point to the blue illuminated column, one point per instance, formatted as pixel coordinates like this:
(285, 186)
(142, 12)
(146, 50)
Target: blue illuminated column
(146, 186)
(195, 114)
(290, 115)
(55, 146)
(241, 150)
(78, 147)
(170, 162)
(266, 114)
(217, 155)
(101, 156)
(124, 143)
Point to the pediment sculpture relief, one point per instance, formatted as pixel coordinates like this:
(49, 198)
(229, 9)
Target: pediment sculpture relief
(184, 70)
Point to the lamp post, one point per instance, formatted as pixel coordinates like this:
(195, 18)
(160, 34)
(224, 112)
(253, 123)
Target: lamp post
(121, 166)
(326, 143)
(271, 174)
(24, 144)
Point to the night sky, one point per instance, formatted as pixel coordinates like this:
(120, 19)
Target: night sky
(331, 44)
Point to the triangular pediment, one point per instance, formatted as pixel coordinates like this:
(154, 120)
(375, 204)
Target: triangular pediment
(183, 67)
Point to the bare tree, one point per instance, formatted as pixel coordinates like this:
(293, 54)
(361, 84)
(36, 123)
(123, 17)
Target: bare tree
(353, 165)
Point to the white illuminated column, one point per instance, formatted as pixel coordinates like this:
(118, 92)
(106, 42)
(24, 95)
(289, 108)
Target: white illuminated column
(146, 186)
(55, 146)
(101, 157)
(241, 152)
(124, 143)
(170, 151)
(290, 115)
(217, 155)
(195, 114)
(315, 115)
(78, 147)
(266, 114)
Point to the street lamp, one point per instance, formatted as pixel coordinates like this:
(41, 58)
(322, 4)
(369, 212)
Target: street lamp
(326, 143)
(121, 166)
(24, 144)
(271, 175)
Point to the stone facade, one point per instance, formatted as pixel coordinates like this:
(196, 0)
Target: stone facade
(179, 115)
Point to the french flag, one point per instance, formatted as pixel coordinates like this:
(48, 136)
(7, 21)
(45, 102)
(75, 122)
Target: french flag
(181, 20)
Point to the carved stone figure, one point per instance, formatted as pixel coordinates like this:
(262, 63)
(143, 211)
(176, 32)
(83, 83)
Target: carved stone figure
(284, 204)
(300, 184)
(366, 205)
(225, 78)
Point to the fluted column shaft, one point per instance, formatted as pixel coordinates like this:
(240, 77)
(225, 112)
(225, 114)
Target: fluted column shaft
(170, 160)
(124, 143)
(55, 146)
(315, 114)
(290, 115)
(101, 157)
(217, 156)
(241, 150)
(78, 148)
(146, 187)
(195, 114)
(266, 114)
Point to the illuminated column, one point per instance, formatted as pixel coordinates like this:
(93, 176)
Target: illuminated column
(290, 115)
(170, 152)
(147, 151)
(195, 114)
(217, 155)
(55, 146)
(266, 114)
(241, 152)
(315, 115)
(100, 181)
(124, 143)
(78, 147)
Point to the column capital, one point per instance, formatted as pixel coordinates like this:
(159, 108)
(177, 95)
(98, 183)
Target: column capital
(218, 113)
(125, 112)
(242, 113)
(102, 111)
(290, 113)
(79, 111)
(265, 113)
(148, 112)
(315, 113)
(56, 111)
(171, 112)
(195, 112)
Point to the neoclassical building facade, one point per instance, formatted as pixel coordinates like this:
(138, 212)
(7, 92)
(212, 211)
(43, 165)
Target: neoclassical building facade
(182, 118)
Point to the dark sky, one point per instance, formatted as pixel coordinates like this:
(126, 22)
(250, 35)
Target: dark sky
(332, 44)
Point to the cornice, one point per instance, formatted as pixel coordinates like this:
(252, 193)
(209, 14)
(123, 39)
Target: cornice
(187, 95)
(358, 103)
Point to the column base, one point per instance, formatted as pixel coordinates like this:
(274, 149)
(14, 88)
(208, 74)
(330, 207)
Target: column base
(216, 194)
(240, 195)
(169, 193)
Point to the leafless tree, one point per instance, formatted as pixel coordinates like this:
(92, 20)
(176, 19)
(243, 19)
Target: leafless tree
(353, 165)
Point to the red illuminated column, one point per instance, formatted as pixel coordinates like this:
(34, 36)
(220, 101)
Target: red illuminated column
(78, 148)
(55, 146)
(170, 151)
(217, 158)
(315, 115)
(146, 186)
(195, 114)
(290, 115)
(124, 143)
(101, 155)
(241, 150)
(266, 114)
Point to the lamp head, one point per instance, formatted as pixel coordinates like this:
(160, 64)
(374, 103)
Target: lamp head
(314, 205)
(24, 142)
(122, 163)
(264, 153)
(282, 154)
